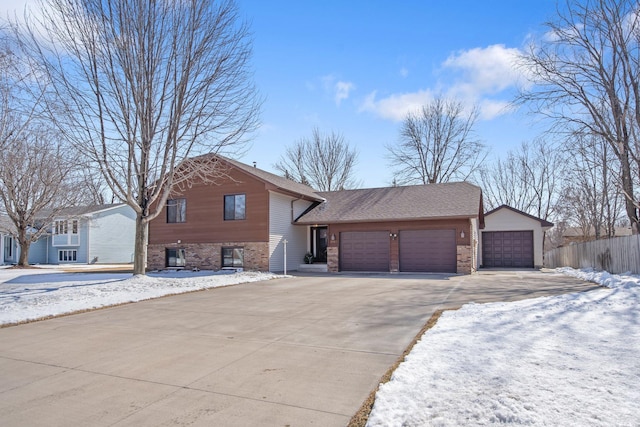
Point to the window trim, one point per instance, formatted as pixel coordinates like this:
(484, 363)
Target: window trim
(233, 249)
(178, 205)
(68, 253)
(65, 232)
(235, 211)
(177, 251)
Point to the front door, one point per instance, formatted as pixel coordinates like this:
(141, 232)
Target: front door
(319, 243)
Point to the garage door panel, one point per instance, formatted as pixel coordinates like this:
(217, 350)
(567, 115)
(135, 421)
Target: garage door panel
(507, 249)
(364, 251)
(428, 251)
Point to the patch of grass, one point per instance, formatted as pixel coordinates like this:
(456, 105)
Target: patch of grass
(360, 418)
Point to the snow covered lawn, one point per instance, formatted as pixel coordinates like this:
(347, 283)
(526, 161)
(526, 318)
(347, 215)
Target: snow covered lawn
(570, 360)
(27, 294)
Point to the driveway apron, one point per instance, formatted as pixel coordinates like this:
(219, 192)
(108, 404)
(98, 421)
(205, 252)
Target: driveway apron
(298, 351)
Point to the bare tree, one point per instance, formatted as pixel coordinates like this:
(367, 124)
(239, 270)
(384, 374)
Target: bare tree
(37, 181)
(146, 85)
(324, 162)
(17, 105)
(586, 75)
(437, 144)
(528, 179)
(591, 198)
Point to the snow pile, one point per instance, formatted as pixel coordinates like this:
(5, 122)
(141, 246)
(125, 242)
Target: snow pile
(36, 293)
(564, 360)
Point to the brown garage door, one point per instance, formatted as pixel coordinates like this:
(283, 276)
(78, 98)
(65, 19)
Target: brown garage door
(428, 251)
(507, 249)
(364, 251)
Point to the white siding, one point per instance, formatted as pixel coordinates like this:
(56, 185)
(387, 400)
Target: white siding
(111, 236)
(281, 228)
(507, 220)
(475, 244)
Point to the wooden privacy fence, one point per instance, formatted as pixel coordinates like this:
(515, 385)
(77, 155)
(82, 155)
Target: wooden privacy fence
(617, 255)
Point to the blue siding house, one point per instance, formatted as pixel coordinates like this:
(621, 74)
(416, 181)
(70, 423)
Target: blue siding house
(101, 234)
(8, 243)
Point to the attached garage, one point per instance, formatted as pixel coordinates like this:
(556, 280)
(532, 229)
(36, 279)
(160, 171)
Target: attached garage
(414, 228)
(428, 251)
(364, 251)
(507, 249)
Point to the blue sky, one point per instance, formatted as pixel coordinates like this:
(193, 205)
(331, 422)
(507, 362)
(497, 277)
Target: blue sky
(357, 67)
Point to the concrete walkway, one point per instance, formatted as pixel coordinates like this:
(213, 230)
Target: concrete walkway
(288, 352)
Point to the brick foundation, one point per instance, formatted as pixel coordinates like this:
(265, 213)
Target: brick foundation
(332, 259)
(208, 256)
(464, 259)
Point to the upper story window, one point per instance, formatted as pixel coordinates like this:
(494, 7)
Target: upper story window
(234, 207)
(65, 233)
(177, 210)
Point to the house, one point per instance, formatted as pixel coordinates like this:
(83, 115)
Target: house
(572, 235)
(90, 234)
(256, 220)
(8, 243)
(512, 239)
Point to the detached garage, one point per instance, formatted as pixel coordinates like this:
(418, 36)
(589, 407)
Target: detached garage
(512, 239)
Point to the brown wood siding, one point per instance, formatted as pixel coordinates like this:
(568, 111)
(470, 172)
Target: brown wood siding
(508, 249)
(205, 214)
(429, 251)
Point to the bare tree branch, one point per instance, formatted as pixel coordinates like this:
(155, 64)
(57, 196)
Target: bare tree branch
(324, 162)
(437, 145)
(528, 179)
(586, 75)
(142, 86)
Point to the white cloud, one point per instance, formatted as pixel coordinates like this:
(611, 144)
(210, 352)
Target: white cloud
(338, 89)
(486, 70)
(342, 91)
(404, 72)
(477, 76)
(395, 107)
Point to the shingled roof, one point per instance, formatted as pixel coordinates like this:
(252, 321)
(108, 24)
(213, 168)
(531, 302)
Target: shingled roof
(279, 182)
(431, 201)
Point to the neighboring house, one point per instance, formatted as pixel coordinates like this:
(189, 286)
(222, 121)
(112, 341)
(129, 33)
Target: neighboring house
(8, 243)
(91, 234)
(573, 235)
(512, 239)
(245, 221)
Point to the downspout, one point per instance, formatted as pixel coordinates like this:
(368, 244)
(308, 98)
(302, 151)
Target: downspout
(88, 239)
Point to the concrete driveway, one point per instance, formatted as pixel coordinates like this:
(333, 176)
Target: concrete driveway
(288, 352)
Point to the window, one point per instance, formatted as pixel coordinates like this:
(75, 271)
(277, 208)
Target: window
(68, 255)
(232, 257)
(177, 210)
(234, 207)
(61, 227)
(175, 257)
(66, 233)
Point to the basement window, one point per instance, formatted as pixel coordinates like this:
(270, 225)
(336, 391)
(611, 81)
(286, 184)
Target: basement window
(175, 257)
(233, 257)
